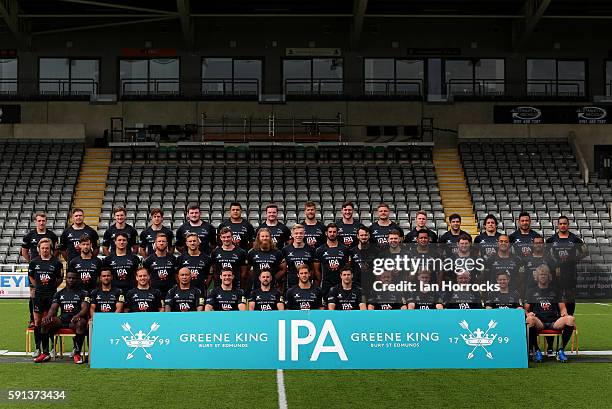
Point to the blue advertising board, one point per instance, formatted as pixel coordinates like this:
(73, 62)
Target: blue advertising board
(311, 340)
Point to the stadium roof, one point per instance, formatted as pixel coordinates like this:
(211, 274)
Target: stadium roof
(27, 18)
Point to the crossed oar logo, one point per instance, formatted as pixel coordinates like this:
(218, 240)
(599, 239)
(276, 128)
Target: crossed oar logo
(479, 338)
(140, 340)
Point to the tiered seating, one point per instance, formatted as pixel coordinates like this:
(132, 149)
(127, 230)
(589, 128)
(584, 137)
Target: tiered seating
(35, 175)
(540, 177)
(215, 176)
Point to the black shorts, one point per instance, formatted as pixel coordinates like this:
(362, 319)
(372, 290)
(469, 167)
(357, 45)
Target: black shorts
(65, 321)
(548, 322)
(42, 303)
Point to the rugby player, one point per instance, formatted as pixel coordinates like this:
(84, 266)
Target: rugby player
(73, 304)
(279, 233)
(70, 238)
(347, 226)
(266, 298)
(421, 224)
(346, 295)
(184, 296)
(143, 298)
(328, 259)
(199, 263)
(297, 253)
(86, 265)
(386, 299)
(120, 226)
(304, 295)
(45, 274)
(522, 239)
(545, 310)
(380, 229)
(243, 232)
(505, 297)
(314, 229)
(228, 255)
(194, 224)
(463, 299)
(265, 256)
(106, 298)
(148, 235)
(29, 247)
(226, 297)
(122, 263)
(487, 239)
(422, 298)
(505, 261)
(161, 266)
(451, 237)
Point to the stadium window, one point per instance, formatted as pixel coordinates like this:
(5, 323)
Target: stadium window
(481, 77)
(149, 76)
(550, 77)
(8, 75)
(608, 78)
(389, 76)
(61, 76)
(320, 76)
(231, 76)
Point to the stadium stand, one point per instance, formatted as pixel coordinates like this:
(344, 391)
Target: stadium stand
(288, 175)
(35, 175)
(540, 177)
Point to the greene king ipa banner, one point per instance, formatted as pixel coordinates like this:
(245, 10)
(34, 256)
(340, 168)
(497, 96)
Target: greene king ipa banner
(311, 339)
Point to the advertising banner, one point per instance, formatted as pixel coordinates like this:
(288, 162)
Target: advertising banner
(551, 114)
(14, 285)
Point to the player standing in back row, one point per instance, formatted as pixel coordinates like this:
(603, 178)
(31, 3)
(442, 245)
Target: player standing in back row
(243, 232)
(347, 226)
(205, 231)
(70, 238)
(120, 226)
(148, 235)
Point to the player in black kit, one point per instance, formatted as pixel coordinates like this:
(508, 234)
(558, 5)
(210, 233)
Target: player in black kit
(304, 295)
(106, 298)
(279, 233)
(226, 297)
(86, 265)
(505, 297)
(463, 299)
(522, 239)
(265, 256)
(205, 231)
(161, 266)
(228, 255)
(297, 253)
(381, 228)
(451, 237)
(420, 224)
(70, 238)
(347, 226)
(328, 260)
(346, 295)
(487, 239)
(266, 298)
(545, 310)
(45, 273)
(386, 300)
(143, 298)
(73, 304)
(314, 230)
(29, 247)
(148, 235)
(243, 232)
(123, 264)
(198, 263)
(184, 297)
(422, 298)
(120, 226)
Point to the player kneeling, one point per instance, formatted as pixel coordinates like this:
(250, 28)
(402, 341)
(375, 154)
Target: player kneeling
(346, 295)
(226, 297)
(184, 297)
(265, 298)
(544, 311)
(73, 304)
(304, 295)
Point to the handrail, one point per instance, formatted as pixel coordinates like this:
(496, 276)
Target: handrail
(152, 85)
(582, 164)
(229, 85)
(392, 86)
(319, 89)
(551, 86)
(479, 86)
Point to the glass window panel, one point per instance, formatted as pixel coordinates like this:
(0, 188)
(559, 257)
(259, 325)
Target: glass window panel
(298, 76)
(84, 76)
(8, 75)
(134, 76)
(410, 75)
(379, 76)
(434, 79)
(54, 75)
(571, 77)
(164, 75)
(327, 75)
(247, 76)
(459, 77)
(608, 77)
(541, 76)
(217, 75)
(490, 76)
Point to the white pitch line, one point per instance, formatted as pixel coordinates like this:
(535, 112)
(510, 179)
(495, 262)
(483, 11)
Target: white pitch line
(280, 382)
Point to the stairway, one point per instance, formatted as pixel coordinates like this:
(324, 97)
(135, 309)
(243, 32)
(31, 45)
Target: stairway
(90, 187)
(454, 191)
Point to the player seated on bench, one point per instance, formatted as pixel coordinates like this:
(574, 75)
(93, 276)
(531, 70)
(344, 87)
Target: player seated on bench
(545, 311)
